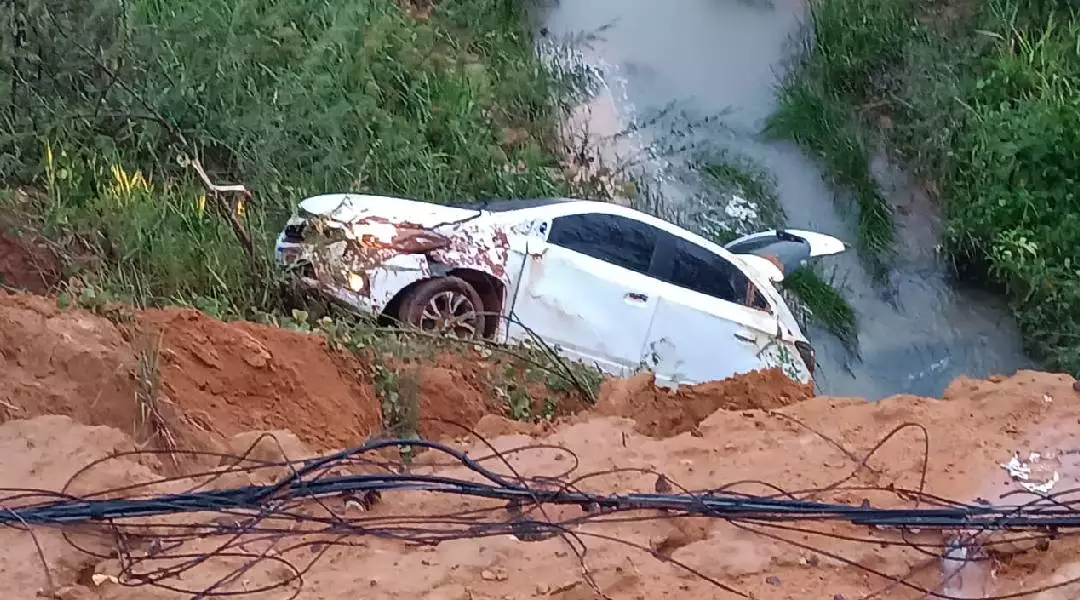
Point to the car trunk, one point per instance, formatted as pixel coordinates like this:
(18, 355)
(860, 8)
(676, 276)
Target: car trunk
(786, 250)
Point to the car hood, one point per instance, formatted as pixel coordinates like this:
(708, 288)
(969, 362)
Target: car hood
(349, 208)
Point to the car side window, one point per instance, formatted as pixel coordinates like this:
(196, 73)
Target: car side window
(697, 269)
(611, 238)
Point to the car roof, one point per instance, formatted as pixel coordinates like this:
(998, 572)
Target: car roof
(556, 207)
(508, 205)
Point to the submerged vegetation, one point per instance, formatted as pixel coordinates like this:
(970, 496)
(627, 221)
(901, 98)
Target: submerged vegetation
(980, 100)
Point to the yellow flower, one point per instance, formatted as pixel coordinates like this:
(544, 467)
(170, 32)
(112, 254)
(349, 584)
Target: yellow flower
(125, 185)
(200, 205)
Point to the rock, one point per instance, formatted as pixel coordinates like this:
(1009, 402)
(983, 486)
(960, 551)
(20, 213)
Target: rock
(259, 360)
(494, 575)
(255, 354)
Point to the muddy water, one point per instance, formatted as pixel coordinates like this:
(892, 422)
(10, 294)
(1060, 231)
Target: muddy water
(713, 57)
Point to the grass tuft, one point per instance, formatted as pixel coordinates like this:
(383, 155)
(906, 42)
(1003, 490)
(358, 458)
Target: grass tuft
(833, 89)
(151, 428)
(818, 123)
(825, 304)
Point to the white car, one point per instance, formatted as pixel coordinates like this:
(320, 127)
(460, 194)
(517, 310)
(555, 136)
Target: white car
(605, 284)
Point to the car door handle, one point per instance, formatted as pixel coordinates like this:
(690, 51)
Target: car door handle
(635, 297)
(745, 337)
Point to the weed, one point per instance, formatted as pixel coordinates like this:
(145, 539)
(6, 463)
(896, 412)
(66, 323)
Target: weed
(534, 366)
(519, 404)
(833, 89)
(824, 304)
(825, 129)
(398, 391)
(151, 428)
(525, 370)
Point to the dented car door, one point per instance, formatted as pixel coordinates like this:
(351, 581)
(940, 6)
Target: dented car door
(585, 289)
(710, 322)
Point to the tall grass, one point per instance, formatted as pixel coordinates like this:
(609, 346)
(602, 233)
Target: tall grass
(830, 92)
(983, 101)
(291, 98)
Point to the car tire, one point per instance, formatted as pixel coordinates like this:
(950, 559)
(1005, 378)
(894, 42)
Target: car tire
(445, 304)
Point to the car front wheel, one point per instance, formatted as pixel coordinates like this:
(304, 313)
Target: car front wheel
(446, 305)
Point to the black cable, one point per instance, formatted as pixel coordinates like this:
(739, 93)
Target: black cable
(278, 511)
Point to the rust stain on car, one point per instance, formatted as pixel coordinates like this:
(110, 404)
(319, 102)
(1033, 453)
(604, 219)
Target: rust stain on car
(485, 249)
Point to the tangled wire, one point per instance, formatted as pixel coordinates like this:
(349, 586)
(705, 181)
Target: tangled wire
(161, 530)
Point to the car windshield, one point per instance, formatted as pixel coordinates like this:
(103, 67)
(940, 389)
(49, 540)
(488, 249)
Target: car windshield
(507, 205)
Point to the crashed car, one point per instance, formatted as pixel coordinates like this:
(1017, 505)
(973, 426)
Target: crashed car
(602, 283)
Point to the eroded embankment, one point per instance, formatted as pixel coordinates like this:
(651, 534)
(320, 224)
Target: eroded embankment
(753, 430)
(214, 380)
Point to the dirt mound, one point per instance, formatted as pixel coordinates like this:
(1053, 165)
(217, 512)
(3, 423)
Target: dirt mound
(214, 379)
(63, 362)
(820, 443)
(235, 377)
(661, 412)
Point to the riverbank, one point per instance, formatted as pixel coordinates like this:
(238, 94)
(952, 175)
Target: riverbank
(979, 100)
(289, 98)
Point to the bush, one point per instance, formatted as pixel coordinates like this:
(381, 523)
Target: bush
(984, 102)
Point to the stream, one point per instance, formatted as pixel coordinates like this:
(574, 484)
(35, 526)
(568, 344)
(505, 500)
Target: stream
(918, 332)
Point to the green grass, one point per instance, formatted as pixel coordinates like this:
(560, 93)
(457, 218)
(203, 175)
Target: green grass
(982, 101)
(808, 115)
(825, 304)
(290, 98)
